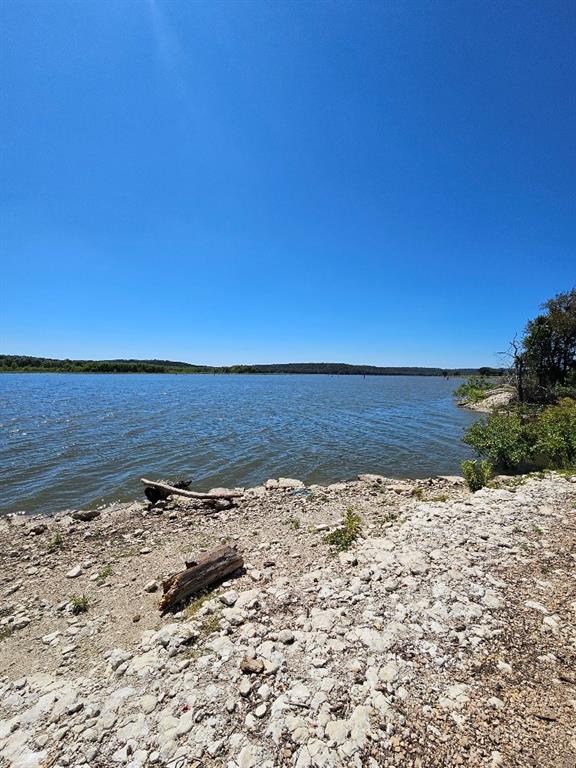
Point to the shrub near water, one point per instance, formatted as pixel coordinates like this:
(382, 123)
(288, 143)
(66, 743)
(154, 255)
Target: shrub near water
(541, 437)
(555, 435)
(474, 389)
(477, 474)
(501, 438)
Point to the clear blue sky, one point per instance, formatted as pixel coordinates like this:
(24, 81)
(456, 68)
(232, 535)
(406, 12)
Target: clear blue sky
(220, 182)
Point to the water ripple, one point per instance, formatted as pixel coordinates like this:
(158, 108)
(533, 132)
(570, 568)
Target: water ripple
(74, 440)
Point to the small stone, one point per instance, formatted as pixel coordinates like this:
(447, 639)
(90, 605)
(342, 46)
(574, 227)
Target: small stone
(51, 639)
(255, 575)
(415, 562)
(73, 573)
(68, 649)
(264, 692)
(245, 687)
(389, 672)
(148, 703)
(38, 529)
(492, 600)
(260, 711)
(252, 666)
(85, 515)
(229, 598)
(249, 756)
(535, 606)
(117, 657)
(289, 483)
(151, 586)
(299, 695)
(285, 636)
(185, 723)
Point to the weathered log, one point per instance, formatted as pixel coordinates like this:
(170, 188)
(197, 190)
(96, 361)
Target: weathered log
(171, 490)
(206, 570)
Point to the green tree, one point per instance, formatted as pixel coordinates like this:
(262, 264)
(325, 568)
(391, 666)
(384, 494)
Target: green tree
(545, 361)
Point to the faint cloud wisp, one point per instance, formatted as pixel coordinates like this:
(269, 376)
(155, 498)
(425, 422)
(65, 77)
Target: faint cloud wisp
(168, 48)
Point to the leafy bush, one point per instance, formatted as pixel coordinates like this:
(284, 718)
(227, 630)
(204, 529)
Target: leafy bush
(501, 438)
(540, 437)
(474, 389)
(343, 538)
(477, 474)
(555, 435)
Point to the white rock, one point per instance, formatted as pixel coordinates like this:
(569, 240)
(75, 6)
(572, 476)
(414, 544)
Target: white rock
(415, 562)
(455, 696)
(290, 483)
(51, 638)
(229, 598)
(185, 723)
(250, 756)
(535, 606)
(117, 657)
(255, 575)
(245, 687)
(338, 731)
(148, 703)
(299, 695)
(285, 636)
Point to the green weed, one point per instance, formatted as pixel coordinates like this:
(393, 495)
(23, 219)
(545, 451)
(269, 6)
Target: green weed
(56, 542)
(103, 574)
(343, 538)
(80, 604)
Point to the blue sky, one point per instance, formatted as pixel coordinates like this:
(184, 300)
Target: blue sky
(220, 182)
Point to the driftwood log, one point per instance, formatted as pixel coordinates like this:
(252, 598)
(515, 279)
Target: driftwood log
(206, 570)
(171, 490)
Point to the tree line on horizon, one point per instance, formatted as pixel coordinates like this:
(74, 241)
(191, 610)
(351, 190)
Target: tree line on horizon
(30, 364)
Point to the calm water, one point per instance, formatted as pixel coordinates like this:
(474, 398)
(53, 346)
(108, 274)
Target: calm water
(69, 440)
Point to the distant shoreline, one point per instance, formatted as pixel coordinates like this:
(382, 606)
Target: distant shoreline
(29, 364)
(230, 373)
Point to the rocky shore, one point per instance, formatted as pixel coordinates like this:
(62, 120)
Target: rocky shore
(445, 634)
(498, 397)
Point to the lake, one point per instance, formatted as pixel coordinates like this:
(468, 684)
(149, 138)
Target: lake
(72, 440)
